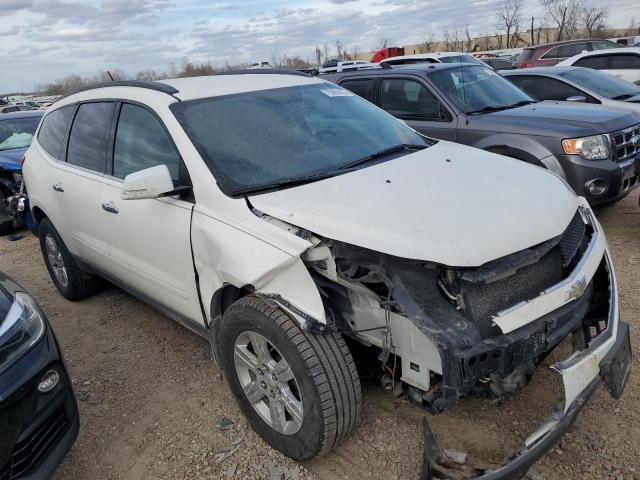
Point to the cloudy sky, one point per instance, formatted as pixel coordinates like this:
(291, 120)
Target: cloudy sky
(41, 40)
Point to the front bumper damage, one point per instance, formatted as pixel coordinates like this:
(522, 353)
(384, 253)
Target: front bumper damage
(613, 371)
(606, 359)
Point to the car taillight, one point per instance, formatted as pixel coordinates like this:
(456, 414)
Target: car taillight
(526, 65)
(24, 157)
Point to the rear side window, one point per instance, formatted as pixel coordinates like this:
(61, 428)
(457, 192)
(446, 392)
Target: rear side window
(526, 54)
(361, 87)
(142, 142)
(89, 136)
(625, 62)
(53, 129)
(602, 45)
(600, 62)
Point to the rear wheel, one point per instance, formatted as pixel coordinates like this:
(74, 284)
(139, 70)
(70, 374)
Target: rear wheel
(299, 391)
(71, 282)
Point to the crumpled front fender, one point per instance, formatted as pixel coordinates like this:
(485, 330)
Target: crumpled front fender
(224, 254)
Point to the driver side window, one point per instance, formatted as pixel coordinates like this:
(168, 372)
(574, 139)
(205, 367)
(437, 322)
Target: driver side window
(410, 99)
(141, 142)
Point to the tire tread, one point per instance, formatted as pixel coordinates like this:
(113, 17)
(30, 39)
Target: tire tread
(331, 367)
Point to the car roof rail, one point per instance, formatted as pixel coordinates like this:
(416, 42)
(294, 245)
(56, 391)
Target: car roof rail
(157, 86)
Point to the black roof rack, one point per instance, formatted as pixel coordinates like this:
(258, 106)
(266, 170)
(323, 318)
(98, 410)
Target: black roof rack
(157, 86)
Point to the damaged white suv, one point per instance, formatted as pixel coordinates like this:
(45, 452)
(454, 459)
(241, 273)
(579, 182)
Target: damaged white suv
(278, 215)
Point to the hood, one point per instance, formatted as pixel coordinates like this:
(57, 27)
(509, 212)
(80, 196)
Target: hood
(556, 119)
(10, 159)
(449, 204)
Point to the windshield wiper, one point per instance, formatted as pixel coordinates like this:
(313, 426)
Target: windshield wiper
(624, 96)
(382, 153)
(292, 182)
(497, 108)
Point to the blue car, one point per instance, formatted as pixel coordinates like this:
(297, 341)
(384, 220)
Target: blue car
(16, 132)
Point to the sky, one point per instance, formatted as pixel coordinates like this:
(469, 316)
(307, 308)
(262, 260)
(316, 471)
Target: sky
(42, 40)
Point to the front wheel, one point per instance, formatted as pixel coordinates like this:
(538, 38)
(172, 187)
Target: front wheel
(299, 391)
(69, 279)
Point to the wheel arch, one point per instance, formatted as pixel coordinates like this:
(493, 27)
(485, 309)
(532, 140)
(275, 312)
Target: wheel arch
(524, 148)
(38, 214)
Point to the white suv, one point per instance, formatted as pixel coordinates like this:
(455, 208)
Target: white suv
(278, 215)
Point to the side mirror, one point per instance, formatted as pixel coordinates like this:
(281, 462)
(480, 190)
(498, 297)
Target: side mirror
(151, 182)
(577, 98)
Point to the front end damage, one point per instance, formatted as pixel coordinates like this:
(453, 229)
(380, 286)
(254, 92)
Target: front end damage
(444, 333)
(12, 200)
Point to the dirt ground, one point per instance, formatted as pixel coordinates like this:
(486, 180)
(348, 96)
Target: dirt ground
(150, 397)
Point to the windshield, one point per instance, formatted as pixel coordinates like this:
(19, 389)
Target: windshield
(474, 89)
(602, 83)
(260, 139)
(17, 132)
(459, 59)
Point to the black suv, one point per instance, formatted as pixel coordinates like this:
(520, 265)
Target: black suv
(473, 105)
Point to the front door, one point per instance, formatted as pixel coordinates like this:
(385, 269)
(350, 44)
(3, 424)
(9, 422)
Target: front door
(149, 239)
(412, 101)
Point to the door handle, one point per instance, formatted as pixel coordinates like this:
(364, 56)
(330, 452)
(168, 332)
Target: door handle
(110, 207)
(58, 187)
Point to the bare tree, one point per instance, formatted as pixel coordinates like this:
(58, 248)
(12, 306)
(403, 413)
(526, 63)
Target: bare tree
(468, 41)
(341, 50)
(428, 44)
(149, 75)
(485, 42)
(355, 51)
(563, 15)
(318, 54)
(508, 13)
(384, 42)
(633, 29)
(533, 40)
(594, 20)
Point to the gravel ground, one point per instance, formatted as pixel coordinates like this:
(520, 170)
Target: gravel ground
(150, 398)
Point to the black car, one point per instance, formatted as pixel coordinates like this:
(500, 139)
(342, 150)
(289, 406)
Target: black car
(474, 105)
(38, 412)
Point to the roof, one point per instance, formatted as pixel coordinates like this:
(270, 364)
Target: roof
(419, 56)
(553, 70)
(238, 82)
(566, 42)
(23, 114)
(604, 51)
(212, 85)
(412, 68)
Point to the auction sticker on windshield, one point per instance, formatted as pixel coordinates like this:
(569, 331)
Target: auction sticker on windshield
(337, 92)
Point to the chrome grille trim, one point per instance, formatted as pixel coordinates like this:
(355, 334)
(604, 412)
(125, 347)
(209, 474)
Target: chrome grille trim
(624, 148)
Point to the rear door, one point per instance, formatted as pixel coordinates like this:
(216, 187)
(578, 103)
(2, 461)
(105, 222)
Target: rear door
(625, 66)
(79, 178)
(149, 240)
(409, 99)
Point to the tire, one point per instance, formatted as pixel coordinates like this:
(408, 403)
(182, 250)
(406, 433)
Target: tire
(322, 383)
(72, 283)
